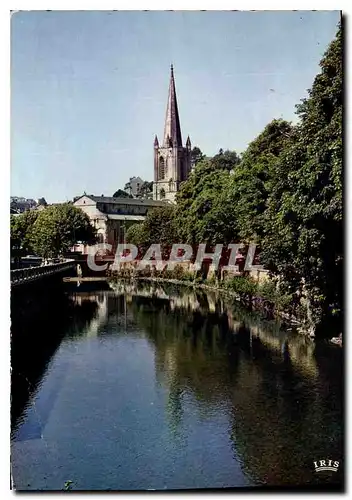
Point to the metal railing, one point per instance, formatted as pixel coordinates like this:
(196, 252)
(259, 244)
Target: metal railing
(26, 275)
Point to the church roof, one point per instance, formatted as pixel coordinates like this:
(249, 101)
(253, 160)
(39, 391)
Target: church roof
(122, 201)
(172, 130)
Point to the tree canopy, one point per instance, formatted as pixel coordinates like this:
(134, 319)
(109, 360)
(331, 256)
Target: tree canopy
(58, 227)
(254, 178)
(304, 239)
(225, 160)
(120, 193)
(159, 226)
(21, 232)
(201, 215)
(145, 190)
(284, 193)
(196, 156)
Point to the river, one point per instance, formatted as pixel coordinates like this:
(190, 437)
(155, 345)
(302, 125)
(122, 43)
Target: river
(158, 387)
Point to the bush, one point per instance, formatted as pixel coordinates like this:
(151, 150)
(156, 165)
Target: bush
(269, 291)
(188, 276)
(244, 286)
(212, 280)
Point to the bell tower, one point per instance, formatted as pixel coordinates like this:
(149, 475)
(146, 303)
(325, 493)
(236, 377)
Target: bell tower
(172, 161)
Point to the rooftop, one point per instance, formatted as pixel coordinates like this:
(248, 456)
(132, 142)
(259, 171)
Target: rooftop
(123, 201)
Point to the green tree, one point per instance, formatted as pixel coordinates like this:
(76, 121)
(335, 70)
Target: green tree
(121, 194)
(254, 178)
(42, 202)
(136, 234)
(159, 227)
(226, 160)
(145, 190)
(304, 237)
(196, 156)
(202, 216)
(21, 227)
(58, 228)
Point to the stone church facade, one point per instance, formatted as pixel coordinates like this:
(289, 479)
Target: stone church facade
(172, 161)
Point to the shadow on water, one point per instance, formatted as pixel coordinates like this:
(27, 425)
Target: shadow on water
(284, 393)
(39, 322)
(280, 393)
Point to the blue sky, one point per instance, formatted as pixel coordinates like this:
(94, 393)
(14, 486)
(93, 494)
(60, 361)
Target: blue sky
(89, 88)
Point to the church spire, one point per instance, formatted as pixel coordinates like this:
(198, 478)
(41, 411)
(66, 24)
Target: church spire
(172, 130)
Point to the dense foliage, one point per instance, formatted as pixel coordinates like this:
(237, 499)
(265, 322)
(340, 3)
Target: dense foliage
(121, 194)
(58, 228)
(196, 156)
(254, 179)
(158, 227)
(21, 232)
(304, 238)
(202, 213)
(284, 193)
(50, 232)
(145, 190)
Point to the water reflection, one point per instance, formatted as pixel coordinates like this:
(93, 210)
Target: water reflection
(275, 396)
(271, 380)
(38, 326)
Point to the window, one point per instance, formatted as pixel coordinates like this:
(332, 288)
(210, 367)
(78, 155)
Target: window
(162, 193)
(161, 168)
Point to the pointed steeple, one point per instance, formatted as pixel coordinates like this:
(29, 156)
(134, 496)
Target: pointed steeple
(156, 142)
(188, 143)
(172, 130)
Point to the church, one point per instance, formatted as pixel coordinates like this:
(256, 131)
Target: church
(172, 161)
(111, 216)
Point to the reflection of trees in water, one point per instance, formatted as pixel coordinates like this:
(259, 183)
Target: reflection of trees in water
(266, 380)
(36, 333)
(281, 422)
(282, 397)
(81, 313)
(112, 316)
(270, 408)
(194, 354)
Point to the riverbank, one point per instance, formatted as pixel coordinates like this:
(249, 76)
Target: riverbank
(180, 380)
(251, 302)
(264, 296)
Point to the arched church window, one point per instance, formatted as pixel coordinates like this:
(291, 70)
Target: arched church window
(161, 168)
(162, 193)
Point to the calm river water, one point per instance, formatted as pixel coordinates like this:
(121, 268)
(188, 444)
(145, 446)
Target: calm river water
(154, 387)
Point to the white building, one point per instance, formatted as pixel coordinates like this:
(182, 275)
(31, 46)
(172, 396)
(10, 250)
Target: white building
(111, 217)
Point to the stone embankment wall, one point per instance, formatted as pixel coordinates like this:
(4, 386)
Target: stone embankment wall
(182, 270)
